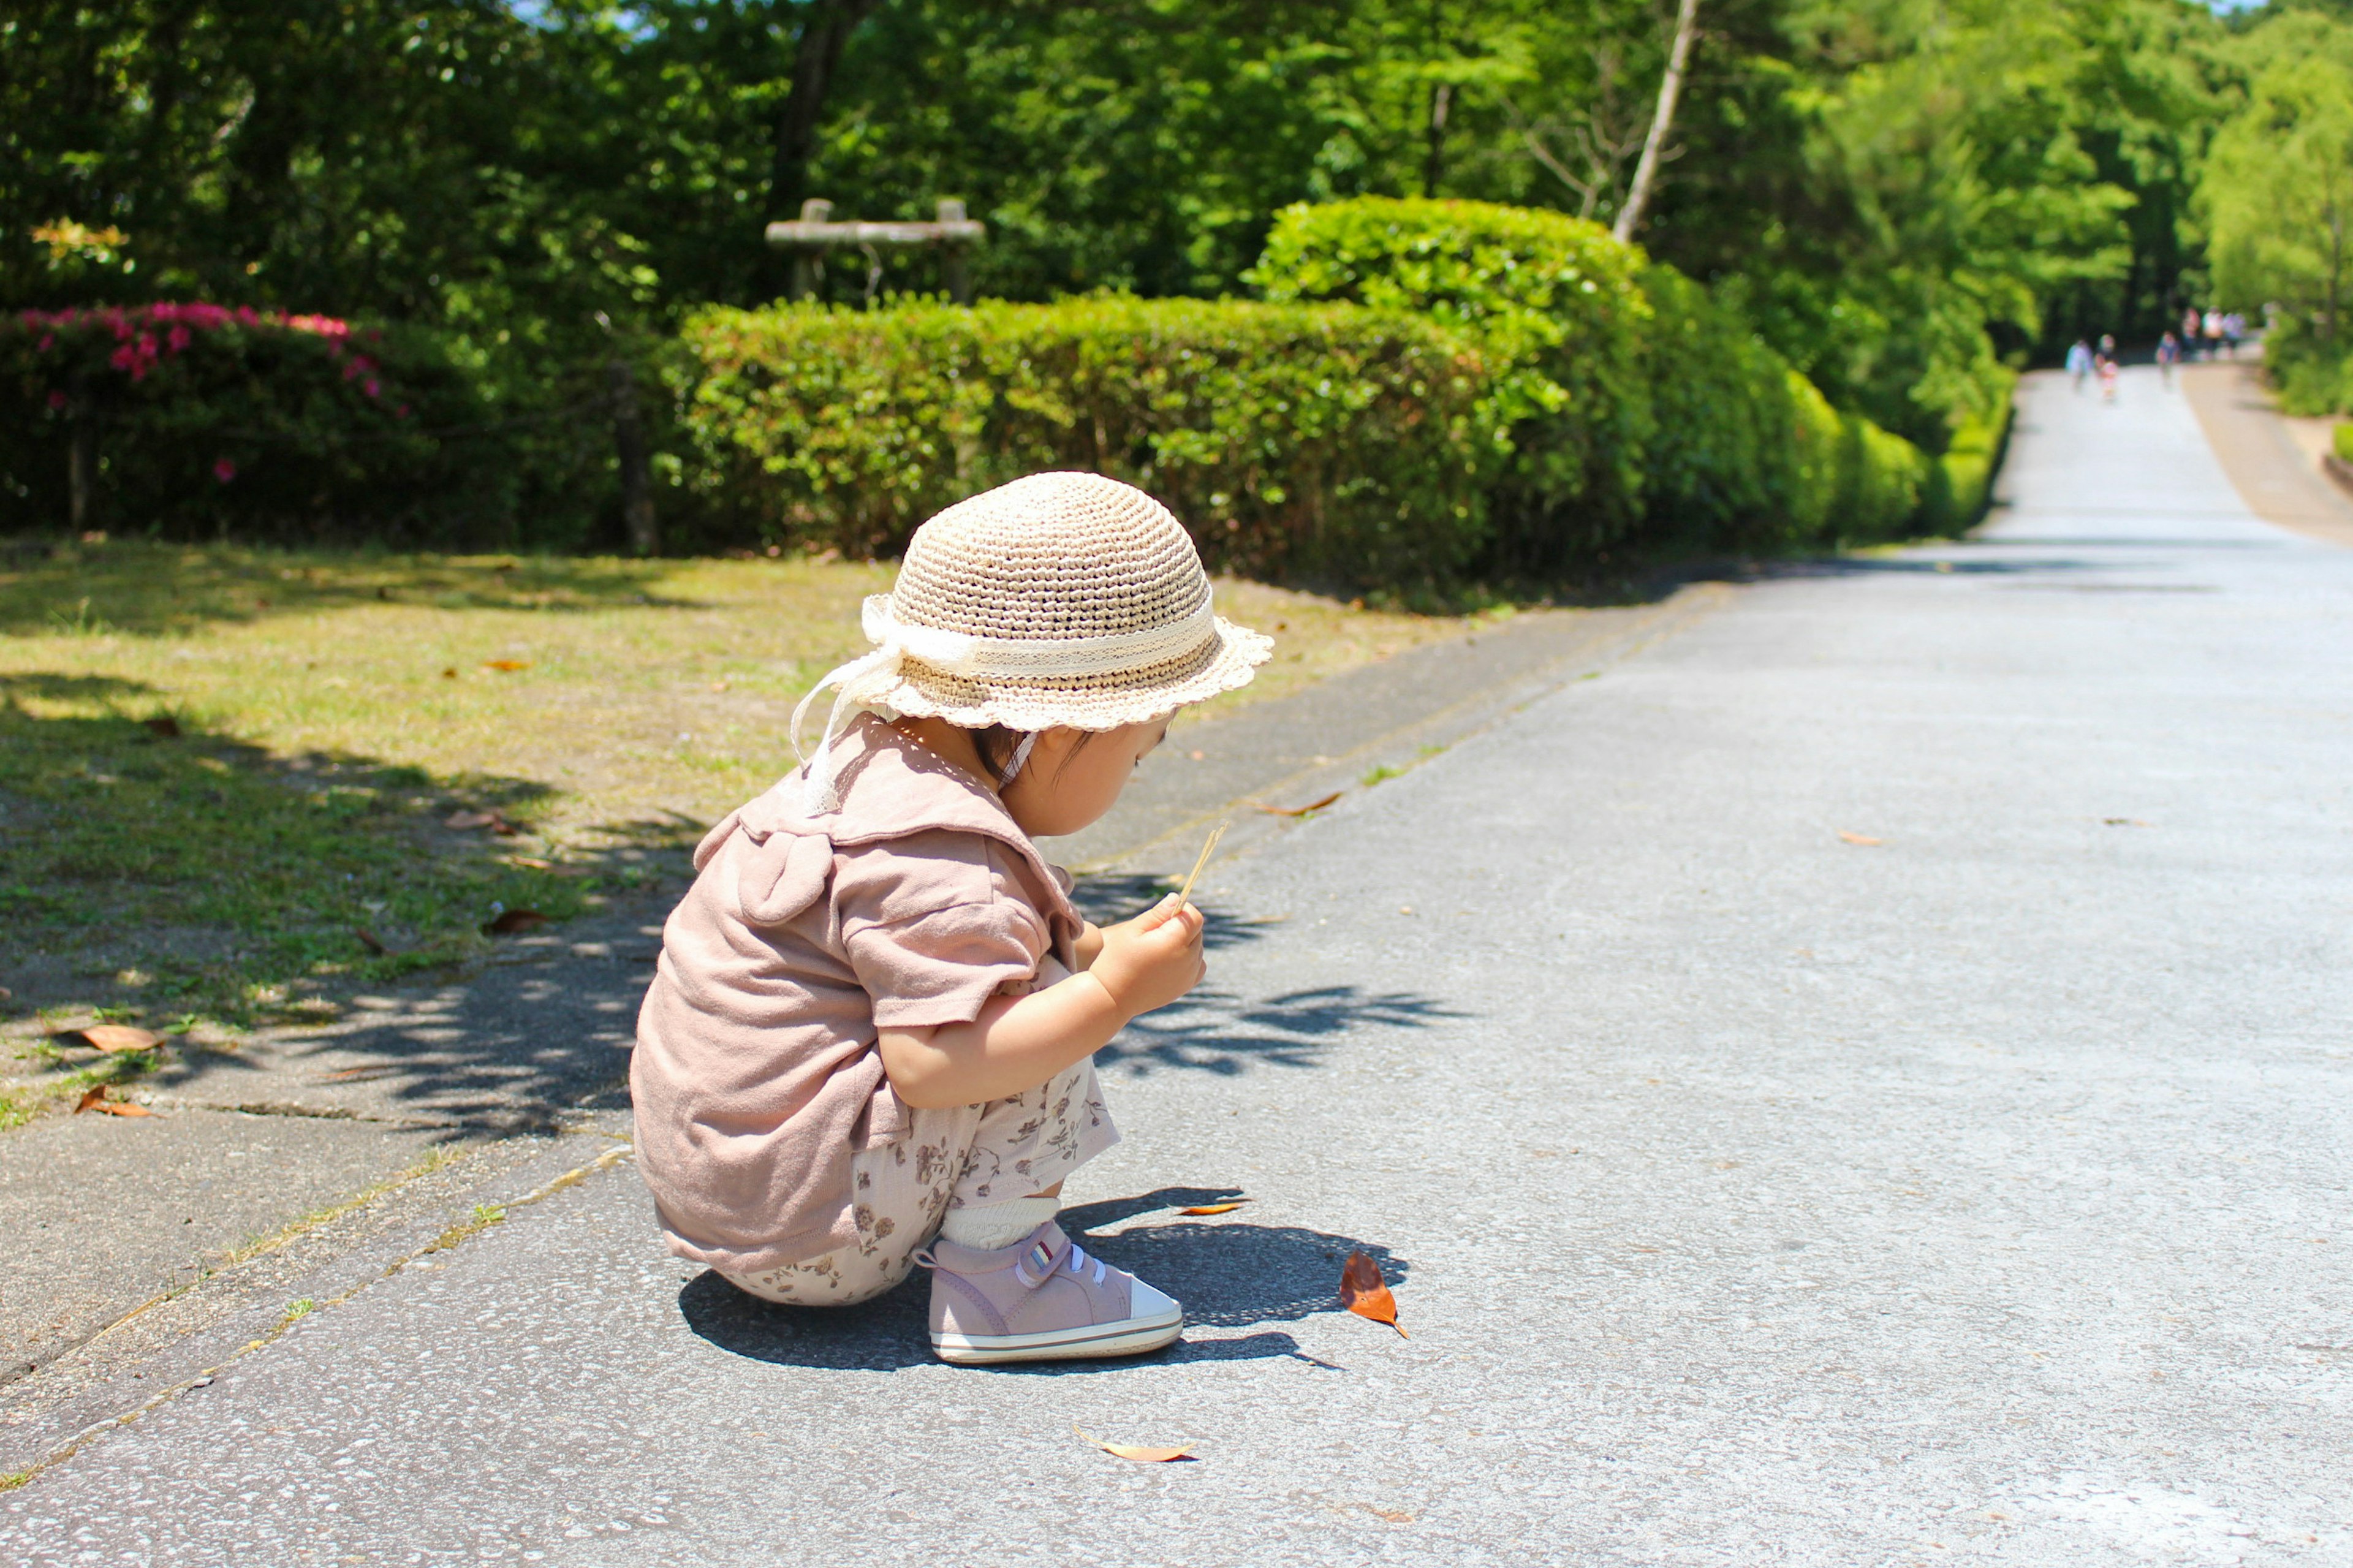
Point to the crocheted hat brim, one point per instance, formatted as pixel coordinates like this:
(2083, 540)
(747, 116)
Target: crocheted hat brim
(1221, 663)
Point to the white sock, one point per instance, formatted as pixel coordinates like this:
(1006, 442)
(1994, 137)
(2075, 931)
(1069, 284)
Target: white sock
(989, 1227)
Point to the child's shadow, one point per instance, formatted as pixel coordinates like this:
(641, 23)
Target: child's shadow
(1229, 1273)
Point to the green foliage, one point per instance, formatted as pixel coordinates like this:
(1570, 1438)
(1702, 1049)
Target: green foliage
(1636, 405)
(2277, 200)
(1960, 485)
(197, 419)
(2340, 440)
(1889, 193)
(1293, 440)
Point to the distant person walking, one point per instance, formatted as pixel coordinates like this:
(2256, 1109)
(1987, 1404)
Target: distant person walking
(2213, 326)
(2190, 331)
(2168, 351)
(2234, 327)
(2079, 363)
(2107, 366)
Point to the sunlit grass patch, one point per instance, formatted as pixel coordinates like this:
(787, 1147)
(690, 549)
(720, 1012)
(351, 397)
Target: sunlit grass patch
(224, 773)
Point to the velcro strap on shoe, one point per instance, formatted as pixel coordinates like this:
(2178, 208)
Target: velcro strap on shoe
(1038, 1261)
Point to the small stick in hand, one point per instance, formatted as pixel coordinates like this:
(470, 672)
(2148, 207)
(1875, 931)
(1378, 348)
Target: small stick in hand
(1215, 833)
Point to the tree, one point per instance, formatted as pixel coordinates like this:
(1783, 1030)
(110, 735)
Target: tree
(2277, 190)
(1654, 145)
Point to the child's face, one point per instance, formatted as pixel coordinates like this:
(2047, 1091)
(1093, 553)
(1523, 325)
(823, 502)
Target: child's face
(1073, 777)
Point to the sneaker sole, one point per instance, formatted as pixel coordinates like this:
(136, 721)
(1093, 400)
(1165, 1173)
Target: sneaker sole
(1130, 1336)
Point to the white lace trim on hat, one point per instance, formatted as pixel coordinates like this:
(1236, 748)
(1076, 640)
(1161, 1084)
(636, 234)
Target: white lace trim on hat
(862, 681)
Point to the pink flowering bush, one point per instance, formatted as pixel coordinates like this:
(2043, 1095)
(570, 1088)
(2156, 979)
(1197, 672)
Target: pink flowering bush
(197, 419)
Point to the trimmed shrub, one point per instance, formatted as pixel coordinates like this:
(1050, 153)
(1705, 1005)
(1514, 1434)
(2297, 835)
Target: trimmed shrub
(197, 420)
(1315, 440)
(1634, 402)
(1557, 304)
(1960, 485)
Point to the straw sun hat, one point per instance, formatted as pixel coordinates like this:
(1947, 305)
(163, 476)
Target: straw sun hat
(1060, 600)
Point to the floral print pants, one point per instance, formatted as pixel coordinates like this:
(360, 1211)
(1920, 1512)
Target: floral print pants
(962, 1157)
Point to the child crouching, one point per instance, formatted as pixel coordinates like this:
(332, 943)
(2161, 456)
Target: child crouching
(870, 1042)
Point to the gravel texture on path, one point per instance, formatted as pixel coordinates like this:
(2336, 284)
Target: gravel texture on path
(1865, 1080)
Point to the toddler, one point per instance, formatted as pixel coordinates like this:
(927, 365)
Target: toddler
(870, 1042)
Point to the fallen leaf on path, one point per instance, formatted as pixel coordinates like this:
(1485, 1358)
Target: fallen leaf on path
(1139, 1453)
(449, 674)
(2124, 822)
(507, 922)
(162, 725)
(466, 820)
(94, 1098)
(1864, 839)
(1296, 810)
(1364, 1292)
(506, 664)
(113, 1037)
(1215, 1208)
(372, 942)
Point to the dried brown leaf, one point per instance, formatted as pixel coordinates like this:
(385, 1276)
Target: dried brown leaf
(111, 1037)
(1138, 1452)
(90, 1098)
(449, 674)
(164, 726)
(372, 942)
(507, 922)
(1215, 1208)
(1313, 805)
(466, 819)
(506, 664)
(122, 1108)
(1865, 839)
(1364, 1292)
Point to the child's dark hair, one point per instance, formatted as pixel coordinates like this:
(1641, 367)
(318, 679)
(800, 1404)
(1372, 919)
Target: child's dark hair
(997, 743)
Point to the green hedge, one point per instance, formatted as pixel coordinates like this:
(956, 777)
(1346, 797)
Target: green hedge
(1314, 440)
(1636, 405)
(1961, 484)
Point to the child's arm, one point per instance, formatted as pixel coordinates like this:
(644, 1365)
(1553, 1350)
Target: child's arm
(1019, 1042)
(1089, 947)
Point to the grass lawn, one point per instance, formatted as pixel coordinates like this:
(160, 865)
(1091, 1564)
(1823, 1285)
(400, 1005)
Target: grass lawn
(226, 775)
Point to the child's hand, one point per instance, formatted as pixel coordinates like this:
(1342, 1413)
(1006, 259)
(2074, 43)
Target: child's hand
(1154, 959)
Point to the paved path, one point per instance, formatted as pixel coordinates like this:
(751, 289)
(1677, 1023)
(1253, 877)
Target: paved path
(1753, 1194)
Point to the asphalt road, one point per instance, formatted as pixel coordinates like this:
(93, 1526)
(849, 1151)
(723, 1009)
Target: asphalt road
(1863, 1080)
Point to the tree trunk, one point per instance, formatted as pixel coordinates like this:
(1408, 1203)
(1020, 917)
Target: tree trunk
(637, 475)
(1441, 99)
(82, 468)
(1646, 173)
(828, 28)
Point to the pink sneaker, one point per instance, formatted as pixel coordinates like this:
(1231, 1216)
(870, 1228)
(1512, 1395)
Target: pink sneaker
(1042, 1299)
